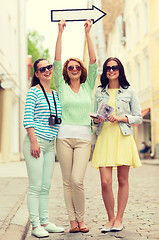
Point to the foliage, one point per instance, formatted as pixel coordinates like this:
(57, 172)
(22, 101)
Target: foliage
(53, 83)
(35, 46)
(36, 49)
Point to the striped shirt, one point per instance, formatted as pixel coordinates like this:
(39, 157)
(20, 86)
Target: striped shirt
(37, 113)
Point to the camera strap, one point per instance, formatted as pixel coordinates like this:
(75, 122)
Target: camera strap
(48, 99)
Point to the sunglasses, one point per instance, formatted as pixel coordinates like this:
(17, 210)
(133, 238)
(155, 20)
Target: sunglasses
(77, 67)
(114, 68)
(43, 69)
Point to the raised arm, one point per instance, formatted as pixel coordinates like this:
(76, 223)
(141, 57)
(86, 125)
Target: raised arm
(58, 48)
(91, 51)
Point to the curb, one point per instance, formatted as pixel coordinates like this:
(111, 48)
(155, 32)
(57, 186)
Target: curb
(17, 223)
(26, 230)
(154, 162)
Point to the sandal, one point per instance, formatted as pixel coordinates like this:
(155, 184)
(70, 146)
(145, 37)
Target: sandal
(74, 230)
(84, 229)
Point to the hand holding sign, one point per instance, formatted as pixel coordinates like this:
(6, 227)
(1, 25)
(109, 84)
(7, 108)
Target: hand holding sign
(87, 26)
(62, 25)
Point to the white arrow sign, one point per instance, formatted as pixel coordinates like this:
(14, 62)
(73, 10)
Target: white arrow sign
(94, 13)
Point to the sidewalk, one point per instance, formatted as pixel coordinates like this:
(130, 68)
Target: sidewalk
(150, 161)
(141, 222)
(13, 208)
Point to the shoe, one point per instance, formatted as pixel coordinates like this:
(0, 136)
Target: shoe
(84, 229)
(74, 230)
(52, 228)
(105, 230)
(39, 232)
(117, 229)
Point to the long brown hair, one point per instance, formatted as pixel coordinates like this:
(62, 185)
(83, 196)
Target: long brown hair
(83, 76)
(122, 78)
(36, 80)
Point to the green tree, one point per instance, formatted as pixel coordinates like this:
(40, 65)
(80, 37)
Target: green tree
(36, 49)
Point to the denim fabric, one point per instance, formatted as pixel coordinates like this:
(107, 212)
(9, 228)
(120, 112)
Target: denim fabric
(127, 104)
(40, 172)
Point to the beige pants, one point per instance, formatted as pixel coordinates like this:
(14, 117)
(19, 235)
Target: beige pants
(73, 155)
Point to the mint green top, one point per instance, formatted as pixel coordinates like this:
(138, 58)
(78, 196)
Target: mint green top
(75, 106)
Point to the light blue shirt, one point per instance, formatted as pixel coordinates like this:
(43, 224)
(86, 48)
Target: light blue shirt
(127, 104)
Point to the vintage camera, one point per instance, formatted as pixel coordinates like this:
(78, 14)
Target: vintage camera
(53, 120)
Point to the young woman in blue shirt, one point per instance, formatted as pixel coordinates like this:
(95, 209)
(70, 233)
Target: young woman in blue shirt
(38, 147)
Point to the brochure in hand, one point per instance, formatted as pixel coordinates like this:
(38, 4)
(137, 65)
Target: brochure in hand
(104, 110)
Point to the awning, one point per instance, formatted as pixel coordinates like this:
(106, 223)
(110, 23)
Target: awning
(144, 112)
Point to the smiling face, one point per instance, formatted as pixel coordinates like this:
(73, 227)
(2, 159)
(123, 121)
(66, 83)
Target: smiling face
(44, 71)
(74, 70)
(112, 70)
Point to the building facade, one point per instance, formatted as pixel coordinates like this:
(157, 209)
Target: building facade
(13, 78)
(131, 33)
(141, 59)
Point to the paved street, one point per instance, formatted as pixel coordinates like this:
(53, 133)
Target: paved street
(141, 220)
(13, 207)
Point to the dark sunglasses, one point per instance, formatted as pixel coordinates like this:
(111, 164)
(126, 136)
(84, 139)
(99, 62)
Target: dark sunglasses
(43, 69)
(114, 68)
(77, 67)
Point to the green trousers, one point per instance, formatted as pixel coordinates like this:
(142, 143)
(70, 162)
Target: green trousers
(40, 172)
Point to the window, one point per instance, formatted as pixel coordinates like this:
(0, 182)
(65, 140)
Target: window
(137, 27)
(128, 34)
(129, 73)
(157, 9)
(145, 18)
(146, 71)
(138, 74)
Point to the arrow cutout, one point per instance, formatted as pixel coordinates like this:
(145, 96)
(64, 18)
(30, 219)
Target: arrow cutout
(69, 15)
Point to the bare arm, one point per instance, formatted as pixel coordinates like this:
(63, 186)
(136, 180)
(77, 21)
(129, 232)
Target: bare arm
(113, 118)
(35, 148)
(58, 48)
(91, 51)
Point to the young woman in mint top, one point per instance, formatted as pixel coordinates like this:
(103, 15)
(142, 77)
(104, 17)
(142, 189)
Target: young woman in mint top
(74, 86)
(38, 147)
